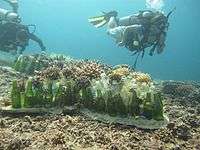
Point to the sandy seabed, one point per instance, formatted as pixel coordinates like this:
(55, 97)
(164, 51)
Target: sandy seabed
(64, 132)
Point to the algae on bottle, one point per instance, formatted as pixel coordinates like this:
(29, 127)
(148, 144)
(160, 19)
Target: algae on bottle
(29, 94)
(68, 94)
(119, 105)
(100, 102)
(15, 95)
(158, 107)
(87, 97)
(38, 93)
(110, 104)
(48, 94)
(60, 95)
(148, 107)
(134, 108)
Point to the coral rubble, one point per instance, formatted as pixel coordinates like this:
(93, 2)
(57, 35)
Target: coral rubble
(38, 131)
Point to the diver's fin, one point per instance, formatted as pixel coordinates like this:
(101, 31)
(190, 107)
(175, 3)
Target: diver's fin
(98, 18)
(98, 21)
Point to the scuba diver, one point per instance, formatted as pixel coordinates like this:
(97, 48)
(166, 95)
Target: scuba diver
(14, 36)
(137, 32)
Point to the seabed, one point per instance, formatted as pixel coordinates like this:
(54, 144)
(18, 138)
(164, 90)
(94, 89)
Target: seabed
(77, 127)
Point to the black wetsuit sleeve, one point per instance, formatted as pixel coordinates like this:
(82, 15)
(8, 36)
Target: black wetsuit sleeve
(38, 40)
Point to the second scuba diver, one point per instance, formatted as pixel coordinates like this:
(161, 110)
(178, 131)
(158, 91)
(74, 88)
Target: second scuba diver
(14, 36)
(146, 29)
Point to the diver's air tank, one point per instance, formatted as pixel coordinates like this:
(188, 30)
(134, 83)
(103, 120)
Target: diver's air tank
(8, 15)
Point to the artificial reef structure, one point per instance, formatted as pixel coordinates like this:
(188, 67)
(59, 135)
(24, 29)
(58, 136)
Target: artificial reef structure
(109, 94)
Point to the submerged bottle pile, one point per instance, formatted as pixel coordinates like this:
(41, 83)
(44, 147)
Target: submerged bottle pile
(119, 91)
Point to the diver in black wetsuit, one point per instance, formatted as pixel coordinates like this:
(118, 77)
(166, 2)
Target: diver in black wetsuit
(13, 34)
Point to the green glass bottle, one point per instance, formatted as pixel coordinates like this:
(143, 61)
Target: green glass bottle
(15, 95)
(23, 64)
(75, 93)
(111, 104)
(29, 95)
(49, 93)
(87, 98)
(68, 93)
(158, 107)
(120, 106)
(148, 107)
(17, 65)
(100, 102)
(59, 96)
(39, 101)
(134, 105)
(22, 97)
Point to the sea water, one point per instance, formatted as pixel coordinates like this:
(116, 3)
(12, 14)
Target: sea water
(63, 26)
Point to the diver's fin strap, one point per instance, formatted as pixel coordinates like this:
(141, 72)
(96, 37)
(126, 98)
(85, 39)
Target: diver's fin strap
(171, 12)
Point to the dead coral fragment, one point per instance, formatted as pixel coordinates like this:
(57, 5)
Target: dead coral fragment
(88, 69)
(83, 72)
(142, 77)
(118, 73)
(178, 89)
(52, 73)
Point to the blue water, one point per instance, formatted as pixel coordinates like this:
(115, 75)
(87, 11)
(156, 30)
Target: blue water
(63, 26)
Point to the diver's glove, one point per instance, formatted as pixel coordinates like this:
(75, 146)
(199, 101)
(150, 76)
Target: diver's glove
(100, 21)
